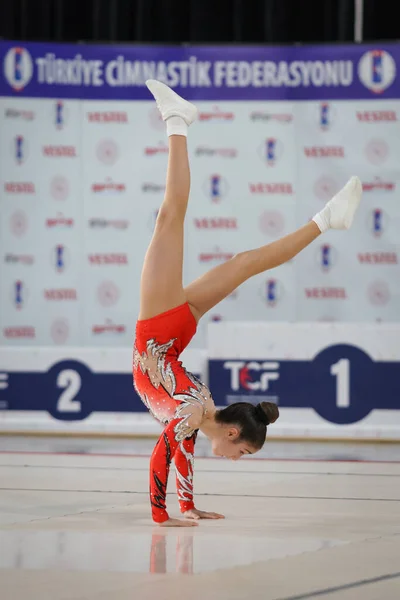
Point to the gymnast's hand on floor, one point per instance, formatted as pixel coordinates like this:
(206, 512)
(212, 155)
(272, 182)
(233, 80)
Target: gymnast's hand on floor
(201, 514)
(178, 523)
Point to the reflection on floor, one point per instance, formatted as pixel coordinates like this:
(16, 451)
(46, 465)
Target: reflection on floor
(75, 523)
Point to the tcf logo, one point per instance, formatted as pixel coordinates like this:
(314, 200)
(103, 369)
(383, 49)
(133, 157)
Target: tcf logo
(216, 187)
(272, 292)
(59, 116)
(252, 376)
(18, 295)
(18, 68)
(19, 149)
(326, 257)
(325, 116)
(271, 151)
(59, 259)
(377, 222)
(377, 70)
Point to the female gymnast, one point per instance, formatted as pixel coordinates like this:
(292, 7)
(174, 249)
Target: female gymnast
(169, 314)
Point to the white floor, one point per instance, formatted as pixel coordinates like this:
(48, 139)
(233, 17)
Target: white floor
(77, 526)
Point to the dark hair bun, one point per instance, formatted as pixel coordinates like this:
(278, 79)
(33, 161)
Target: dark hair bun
(267, 412)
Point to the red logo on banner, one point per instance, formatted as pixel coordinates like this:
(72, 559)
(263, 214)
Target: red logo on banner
(216, 223)
(60, 294)
(19, 187)
(59, 331)
(18, 223)
(108, 187)
(216, 254)
(379, 185)
(107, 294)
(216, 115)
(60, 221)
(324, 293)
(108, 327)
(325, 188)
(60, 151)
(377, 151)
(271, 222)
(107, 152)
(59, 187)
(162, 148)
(377, 258)
(324, 152)
(108, 259)
(107, 117)
(377, 116)
(19, 332)
(378, 293)
(271, 188)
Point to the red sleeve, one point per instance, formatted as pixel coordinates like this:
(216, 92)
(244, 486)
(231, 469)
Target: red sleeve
(184, 465)
(159, 471)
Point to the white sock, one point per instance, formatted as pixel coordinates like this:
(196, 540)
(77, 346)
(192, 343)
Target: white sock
(176, 126)
(322, 219)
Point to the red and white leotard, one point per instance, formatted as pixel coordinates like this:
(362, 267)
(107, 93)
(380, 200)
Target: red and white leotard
(170, 393)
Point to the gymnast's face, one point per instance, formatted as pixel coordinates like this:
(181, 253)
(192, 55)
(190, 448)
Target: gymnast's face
(227, 444)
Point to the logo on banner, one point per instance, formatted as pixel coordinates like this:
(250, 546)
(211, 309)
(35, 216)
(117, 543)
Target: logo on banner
(59, 331)
(18, 68)
(60, 258)
(258, 115)
(325, 188)
(25, 331)
(162, 148)
(377, 222)
(325, 293)
(216, 187)
(108, 328)
(108, 259)
(379, 185)
(60, 221)
(19, 294)
(20, 149)
(378, 293)
(216, 254)
(24, 259)
(272, 292)
(59, 114)
(215, 223)
(378, 258)
(60, 294)
(202, 151)
(216, 115)
(109, 117)
(13, 113)
(324, 152)
(326, 257)
(377, 151)
(377, 70)
(19, 187)
(153, 188)
(104, 223)
(271, 151)
(18, 223)
(271, 188)
(377, 116)
(59, 151)
(107, 152)
(108, 187)
(59, 188)
(107, 294)
(325, 116)
(271, 222)
(252, 376)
